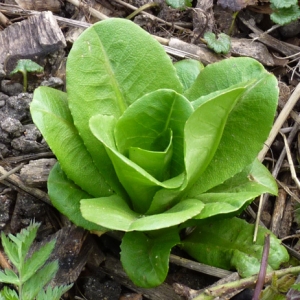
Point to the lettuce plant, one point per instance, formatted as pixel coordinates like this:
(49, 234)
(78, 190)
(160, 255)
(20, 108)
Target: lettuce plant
(149, 151)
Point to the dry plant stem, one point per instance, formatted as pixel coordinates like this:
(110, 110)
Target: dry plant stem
(150, 16)
(282, 47)
(3, 20)
(224, 289)
(140, 9)
(189, 264)
(14, 170)
(288, 191)
(14, 181)
(258, 218)
(263, 269)
(279, 121)
(4, 262)
(290, 160)
(95, 13)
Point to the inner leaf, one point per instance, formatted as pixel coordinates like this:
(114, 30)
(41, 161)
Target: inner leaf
(145, 124)
(156, 163)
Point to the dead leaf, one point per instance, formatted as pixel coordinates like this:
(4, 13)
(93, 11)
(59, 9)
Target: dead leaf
(236, 5)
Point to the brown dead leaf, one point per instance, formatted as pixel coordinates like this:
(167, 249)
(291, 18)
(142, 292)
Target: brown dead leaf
(236, 5)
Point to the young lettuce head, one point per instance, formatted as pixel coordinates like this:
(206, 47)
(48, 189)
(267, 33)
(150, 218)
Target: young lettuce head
(139, 153)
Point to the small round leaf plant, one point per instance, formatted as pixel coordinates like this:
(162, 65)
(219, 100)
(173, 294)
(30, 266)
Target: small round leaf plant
(149, 151)
(24, 66)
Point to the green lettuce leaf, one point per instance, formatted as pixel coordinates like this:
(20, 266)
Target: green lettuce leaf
(229, 244)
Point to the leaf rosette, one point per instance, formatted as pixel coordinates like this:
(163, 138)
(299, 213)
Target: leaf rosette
(143, 148)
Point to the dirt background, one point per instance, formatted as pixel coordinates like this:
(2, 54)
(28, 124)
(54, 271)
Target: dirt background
(92, 262)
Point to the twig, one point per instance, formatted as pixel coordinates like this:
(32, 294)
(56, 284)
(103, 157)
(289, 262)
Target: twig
(260, 208)
(286, 188)
(151, 16)
(263, 269)
(277, 169)
(3, 20)
(4, 262)
(222, 290)
(279, 121)
(95, 13)
(192, 265)
(14, 181)
(140, 9)
(290, 160)
(12, 171)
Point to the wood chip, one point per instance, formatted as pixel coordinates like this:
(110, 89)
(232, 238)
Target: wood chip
(33, 38)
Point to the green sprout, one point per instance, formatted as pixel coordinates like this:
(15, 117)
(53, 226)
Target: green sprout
(33, 272)
(24, 66)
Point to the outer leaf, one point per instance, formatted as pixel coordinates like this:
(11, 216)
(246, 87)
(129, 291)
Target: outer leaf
(187, 71)
(237, 192)
(146, 122)
(66, 196)
(228, 244)
(33, 286)
(139, 184)
(248, 124)
(50, 112)
(146, 259)
(114, 213)
(37, 260)
(107, 70)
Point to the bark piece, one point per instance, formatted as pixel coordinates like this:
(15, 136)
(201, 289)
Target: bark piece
(40, 5)
(203, 17)
(246, 47)
(36, 173)
(33, 38)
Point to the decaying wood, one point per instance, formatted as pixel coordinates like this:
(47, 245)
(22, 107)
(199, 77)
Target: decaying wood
(114, 269)
(203, 17)
(33, 38)
(35, 174)
(246, 47)
(72, 249)
(278, 211)
(40, 5)
(14, 182)
(282, 47)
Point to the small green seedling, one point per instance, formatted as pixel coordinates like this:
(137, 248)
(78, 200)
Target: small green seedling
(220, 45)
(284, 11)
(24, 66)
(179, 4)
(33, 273)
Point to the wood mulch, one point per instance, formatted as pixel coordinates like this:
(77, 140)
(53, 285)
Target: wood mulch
(44, 31)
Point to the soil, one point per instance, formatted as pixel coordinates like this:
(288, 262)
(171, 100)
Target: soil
(91, 262)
